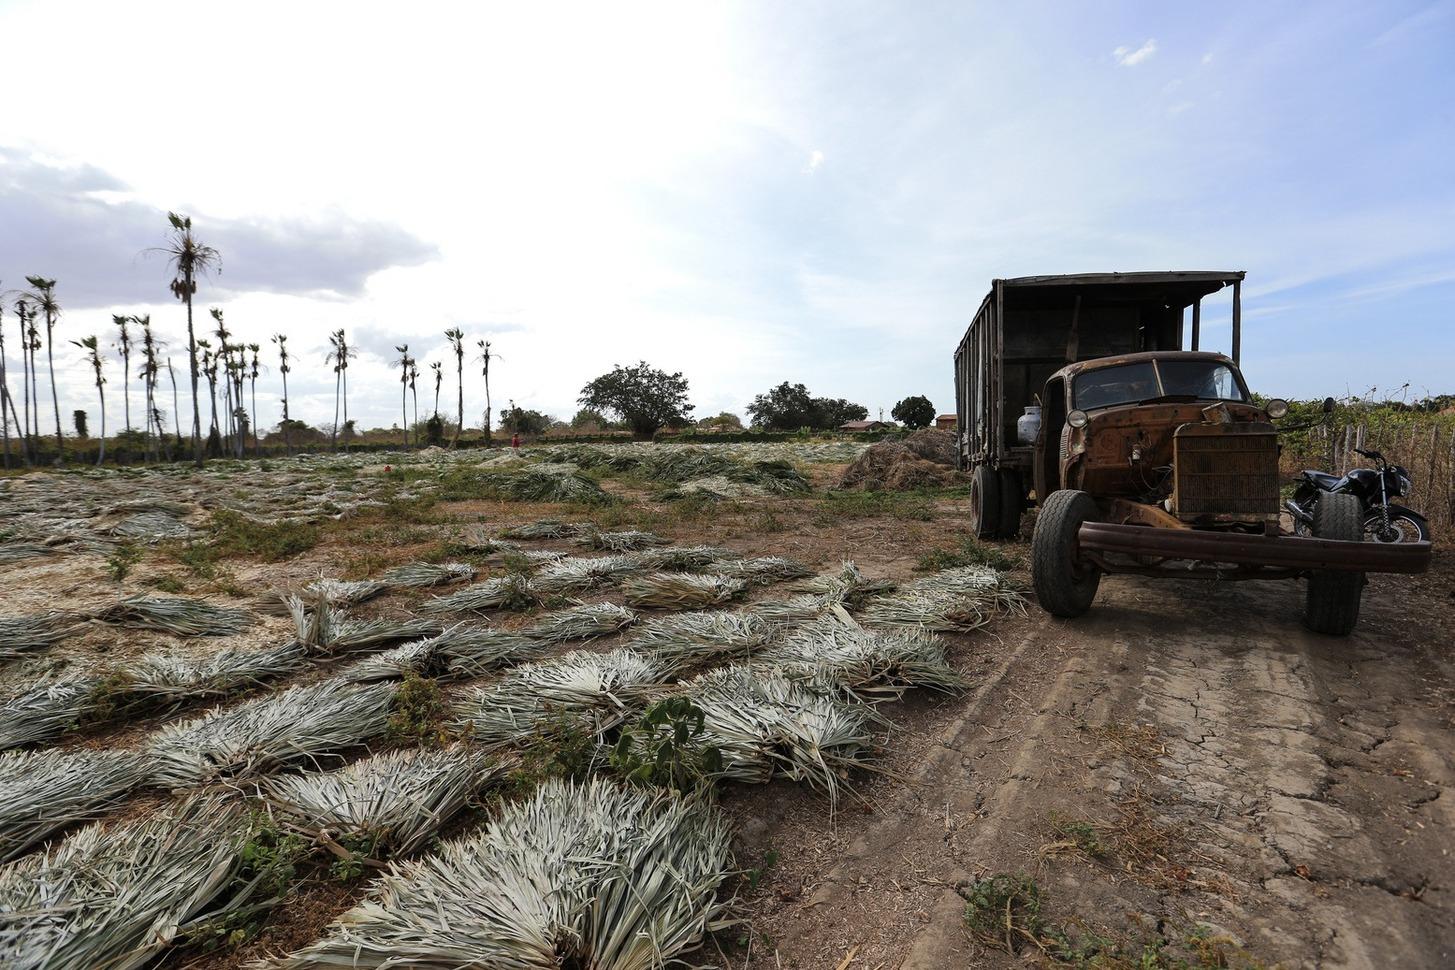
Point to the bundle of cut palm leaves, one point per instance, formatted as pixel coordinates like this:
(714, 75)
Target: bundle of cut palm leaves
(177, 615)
(596, 876)
(834, 651)
(299, 725)
(793, 610)
(681, 558)
(848, 585)
(151, 527)
(344, 592)
(591, 691)
(511, 592)
(584, 622)
(387, 804)
(19, 634)
(764, 570)
(44, 711)
(681, 591)
(764, 724)
(952, 600)
(45, 791)
(419, 575)
(323, 628)
(536, 484)
(114, 896)
(524, 560)
(16, 551)
(578, 574)
(156, 680)
(547, 529)
(462, 650)
(699, 637)
(623, 541)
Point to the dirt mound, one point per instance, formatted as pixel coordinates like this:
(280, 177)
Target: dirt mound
(925, 458)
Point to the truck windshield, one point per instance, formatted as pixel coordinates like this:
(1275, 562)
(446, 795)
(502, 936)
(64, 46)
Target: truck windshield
(1202, 380)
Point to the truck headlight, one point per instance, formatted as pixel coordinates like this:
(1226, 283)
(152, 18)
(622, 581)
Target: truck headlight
(1277, 408)
(1077, 419)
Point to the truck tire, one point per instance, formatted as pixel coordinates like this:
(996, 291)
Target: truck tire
(1332, 605)
(1012, 503)
(984, 502)
(1064, 586)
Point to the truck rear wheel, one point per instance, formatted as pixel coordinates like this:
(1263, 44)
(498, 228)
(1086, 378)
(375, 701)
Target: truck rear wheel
(1012, 503)
(1333, 599)
(984, 502)
(1064, 585)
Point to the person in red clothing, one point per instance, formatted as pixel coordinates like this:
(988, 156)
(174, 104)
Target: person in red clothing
(515, 441)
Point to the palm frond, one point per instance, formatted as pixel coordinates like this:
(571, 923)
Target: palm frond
(326, 629)
(19, 634)
(623, 541)
(835, 651)
(681, 558)
(151, 526)
(594, 876)
(585, 622)
(952, 600)
(691, 638)
(44, 711)
(848, 585)
(42, 792)
(579, 574)
(114, 896)
(419, 575)
(681, 591)
(595, 690)
(764, 570)
(16, 551)
(299, 725)
(546, 529)
(158, 679)
(511, 592)
(177, 615)
(390, 802)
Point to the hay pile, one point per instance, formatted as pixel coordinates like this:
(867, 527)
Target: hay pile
(924, 459)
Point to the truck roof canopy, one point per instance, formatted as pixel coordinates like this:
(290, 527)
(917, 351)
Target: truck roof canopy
(1169, 289)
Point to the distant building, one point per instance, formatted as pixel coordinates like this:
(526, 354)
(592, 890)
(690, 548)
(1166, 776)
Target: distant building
(947, 422)
(865, 425)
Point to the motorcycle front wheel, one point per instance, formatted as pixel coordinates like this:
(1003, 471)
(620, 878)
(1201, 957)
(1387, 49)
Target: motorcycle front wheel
(1402, 528)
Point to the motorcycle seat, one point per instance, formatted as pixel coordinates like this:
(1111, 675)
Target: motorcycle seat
(1323, 480)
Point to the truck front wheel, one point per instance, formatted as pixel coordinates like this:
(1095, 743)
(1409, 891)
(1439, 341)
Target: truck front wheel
(1333, 596)
(1064, 585)
(984, 502)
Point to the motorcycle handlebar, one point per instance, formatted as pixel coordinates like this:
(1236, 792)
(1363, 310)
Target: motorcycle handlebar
(1371, 455)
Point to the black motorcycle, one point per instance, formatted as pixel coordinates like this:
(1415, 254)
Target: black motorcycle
(1375, 487)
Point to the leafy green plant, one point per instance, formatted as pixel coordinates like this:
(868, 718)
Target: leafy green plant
(418, 711)
(968, 553)
(1004, 911)
(662, 748)
(234, 534)
(120, 562)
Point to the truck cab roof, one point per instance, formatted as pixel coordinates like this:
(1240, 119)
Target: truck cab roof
(1082, 366)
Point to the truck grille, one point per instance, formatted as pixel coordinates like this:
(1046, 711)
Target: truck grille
(1225, 469)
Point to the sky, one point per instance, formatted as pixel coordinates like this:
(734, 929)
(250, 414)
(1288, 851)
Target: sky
(748, 193)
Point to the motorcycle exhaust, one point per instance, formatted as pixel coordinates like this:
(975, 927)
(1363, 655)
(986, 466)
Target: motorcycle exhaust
(1298, 513)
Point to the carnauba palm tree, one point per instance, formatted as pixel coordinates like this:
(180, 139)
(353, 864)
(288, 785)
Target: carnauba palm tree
(189, 259)
(439, 378)
(90, 344)
(254, 366)
(404, 361)
(456, 337)
(149, 373)
(123, 347)
(32, 393)
(209, 371)
(6, 407)
(485, 356)
(281, 339)
(414, 396)
(44, 294)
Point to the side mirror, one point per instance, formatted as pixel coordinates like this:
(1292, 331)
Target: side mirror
(1329, 405)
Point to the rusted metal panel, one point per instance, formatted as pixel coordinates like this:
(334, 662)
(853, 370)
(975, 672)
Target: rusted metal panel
(1225, 469)
(1237, 548)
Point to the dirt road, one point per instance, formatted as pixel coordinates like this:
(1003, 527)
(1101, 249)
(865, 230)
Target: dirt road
(1187, 755)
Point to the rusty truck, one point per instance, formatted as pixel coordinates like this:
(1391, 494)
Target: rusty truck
(1089, 397)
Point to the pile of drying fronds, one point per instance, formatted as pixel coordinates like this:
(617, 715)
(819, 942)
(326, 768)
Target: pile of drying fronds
(585, 622)
(299, 725)
(510, 592)
(321, 628)
(591, 691)
(45, 710)
(624, 541)
(537, 484)
(592, 876)
(419, 575)
(114, 896)
(681, 591)
(387, 804)
(955, 599)
(343, 592)
(764, 570)
(463, 650)
(834, 651)
(45, 791)
(547, 529)
(692, 638)
(579, 574)
(19, 634)
(151, 527)
(16, 551)
(764, 725)
(160, 680)
(177, 615)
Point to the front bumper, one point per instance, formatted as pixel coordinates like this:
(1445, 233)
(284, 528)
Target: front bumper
(1278, 552)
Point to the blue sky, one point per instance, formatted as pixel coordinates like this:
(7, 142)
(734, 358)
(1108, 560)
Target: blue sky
(748, 193)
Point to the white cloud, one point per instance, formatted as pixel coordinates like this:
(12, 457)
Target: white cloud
(1127, 57)
(815, 161)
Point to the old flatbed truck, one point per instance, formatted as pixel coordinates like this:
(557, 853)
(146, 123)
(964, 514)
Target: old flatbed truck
(1075, 394)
